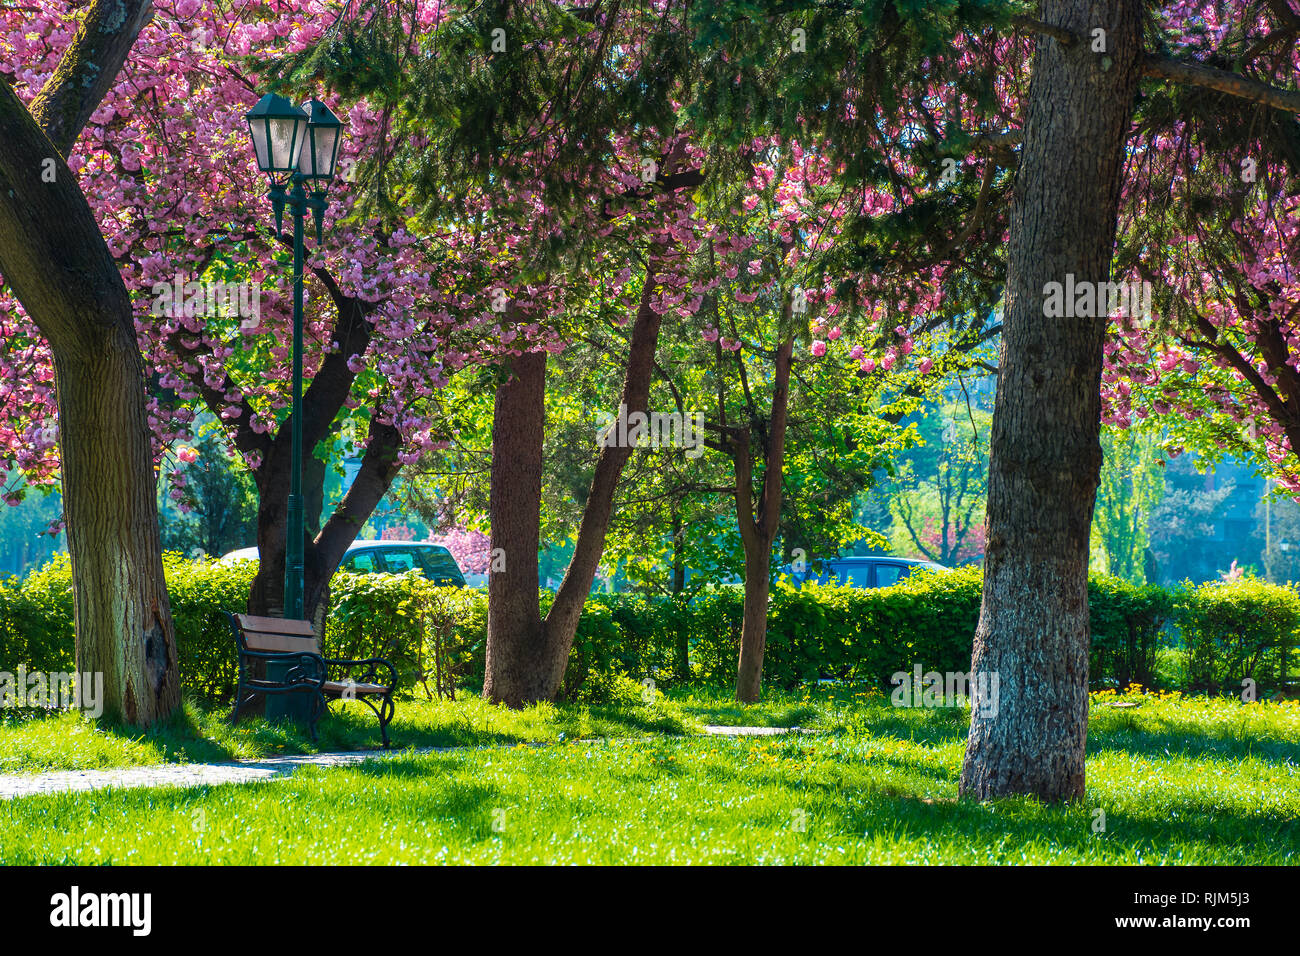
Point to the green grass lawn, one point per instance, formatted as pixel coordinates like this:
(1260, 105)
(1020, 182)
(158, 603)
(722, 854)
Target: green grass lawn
(64, 741)
(34, 743)
(1179, 781)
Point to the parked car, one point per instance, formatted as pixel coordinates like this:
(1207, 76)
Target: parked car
(393, 557)
(870, 571)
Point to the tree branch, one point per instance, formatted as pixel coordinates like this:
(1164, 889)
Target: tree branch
(246, 440)
(52, 253)
(1221, 81)
(88, 68)
(1060, 34)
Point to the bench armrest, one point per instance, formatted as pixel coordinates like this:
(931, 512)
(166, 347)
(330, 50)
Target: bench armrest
(306, 668)
(370, 676)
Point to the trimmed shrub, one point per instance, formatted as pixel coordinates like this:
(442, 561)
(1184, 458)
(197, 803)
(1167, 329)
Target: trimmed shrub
(1128, 623)
(37, 624)
(1236, 630)
(436, 636)
(841, 633)
(200, 593)
(426, 632)
(713, 622)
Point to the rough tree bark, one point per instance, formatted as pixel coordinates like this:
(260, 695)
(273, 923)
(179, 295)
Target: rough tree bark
(1045, 450)
(54, 257)
(518, 665)
(527, 655)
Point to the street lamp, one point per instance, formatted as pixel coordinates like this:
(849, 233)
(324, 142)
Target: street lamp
(295, 145)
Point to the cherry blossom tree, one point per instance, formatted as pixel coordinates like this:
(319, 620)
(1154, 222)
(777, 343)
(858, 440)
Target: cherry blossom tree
(1072, 112)
(166, 162)
(1216, 362)
(55, 261)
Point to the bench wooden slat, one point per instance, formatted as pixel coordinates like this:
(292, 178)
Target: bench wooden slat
(275, 625)
(338, 687)
(291, 643)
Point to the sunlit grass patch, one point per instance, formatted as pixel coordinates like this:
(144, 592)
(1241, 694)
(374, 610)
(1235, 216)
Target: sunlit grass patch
(883, 789)
(66, 741)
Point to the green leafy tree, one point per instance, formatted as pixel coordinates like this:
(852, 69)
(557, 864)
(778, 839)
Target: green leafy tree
(215, 510)
(937, 495)
(1131, 485)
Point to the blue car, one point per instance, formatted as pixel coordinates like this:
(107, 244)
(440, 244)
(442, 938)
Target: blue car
(871, 571)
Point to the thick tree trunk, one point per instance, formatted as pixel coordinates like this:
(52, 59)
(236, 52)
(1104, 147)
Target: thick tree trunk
(324, 546)
(1045, 451)
(526, 661)
(520, 660)
(53, 256)
(526, 657)
(266, 596)
(123, 619)
(753, 627)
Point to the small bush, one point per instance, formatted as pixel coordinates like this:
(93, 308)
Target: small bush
(1128, 622)
(37, 625)
(201, 592)
(1237, 630)
(427, 632)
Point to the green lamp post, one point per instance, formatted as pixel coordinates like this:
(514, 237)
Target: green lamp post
(295, 146)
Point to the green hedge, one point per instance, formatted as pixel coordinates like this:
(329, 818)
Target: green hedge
(201, 593)
(36, 619)
(1237, 630)
(430, 634)
(1129, 624)
(1221, 632)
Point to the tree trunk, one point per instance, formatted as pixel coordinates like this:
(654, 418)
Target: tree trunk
(1045, 451)
(526, 661)
(753, 627)
(54, 257)
(325, 546)
(682, 649)
(758, 533)
(123, 619)
(519, 661)
(526, 656)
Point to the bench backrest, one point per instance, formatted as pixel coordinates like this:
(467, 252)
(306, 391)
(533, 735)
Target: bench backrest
(277, 634)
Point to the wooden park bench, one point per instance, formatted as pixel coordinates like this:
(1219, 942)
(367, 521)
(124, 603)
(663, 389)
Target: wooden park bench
(293, 645)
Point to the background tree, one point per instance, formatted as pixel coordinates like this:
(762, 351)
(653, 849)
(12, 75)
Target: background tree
(177, 195)
(209, 504)
(30, 531)
(885, 62)
(1218, 192)
(937, 493)
(1131, 485)
(1183, 524)
(553, 180)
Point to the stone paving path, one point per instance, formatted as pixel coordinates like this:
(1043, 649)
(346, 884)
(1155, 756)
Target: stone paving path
(753, 731)
(239, 771)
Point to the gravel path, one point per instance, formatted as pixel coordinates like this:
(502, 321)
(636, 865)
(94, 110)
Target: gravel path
(237, 771)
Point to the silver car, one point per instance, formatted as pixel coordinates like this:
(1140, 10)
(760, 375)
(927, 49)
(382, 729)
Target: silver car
(392, 557)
